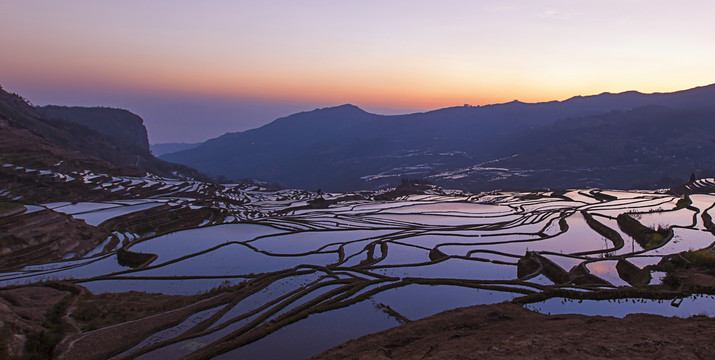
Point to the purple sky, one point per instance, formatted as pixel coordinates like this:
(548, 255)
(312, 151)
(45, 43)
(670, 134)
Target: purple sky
(176, 117)
(196, 69)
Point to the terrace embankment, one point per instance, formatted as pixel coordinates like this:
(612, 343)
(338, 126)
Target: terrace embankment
(42, 321)
(708, 222)
(643, 235)
(509, 331)
(604, 230)
(43, 236)
(134, 259)
(688, 269)
(112, 340)
(162, 219)
(533, 264)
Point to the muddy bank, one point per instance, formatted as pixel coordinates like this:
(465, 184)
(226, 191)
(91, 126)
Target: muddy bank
(508, 331)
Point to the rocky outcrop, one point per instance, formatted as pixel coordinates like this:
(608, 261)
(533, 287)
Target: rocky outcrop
(23, 314)
(72, 137)
(118, 124)
(23, 146)
(632, 274)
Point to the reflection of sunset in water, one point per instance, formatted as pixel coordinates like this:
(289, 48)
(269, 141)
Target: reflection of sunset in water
(600, 268)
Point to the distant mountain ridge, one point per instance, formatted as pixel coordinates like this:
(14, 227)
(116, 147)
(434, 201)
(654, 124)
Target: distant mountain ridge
(168, 148)
(346, 148)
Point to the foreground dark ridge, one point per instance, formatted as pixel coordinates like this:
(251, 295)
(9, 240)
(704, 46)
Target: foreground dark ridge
(507, 331)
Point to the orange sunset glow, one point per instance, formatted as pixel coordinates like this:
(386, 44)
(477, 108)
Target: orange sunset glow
(399, 55)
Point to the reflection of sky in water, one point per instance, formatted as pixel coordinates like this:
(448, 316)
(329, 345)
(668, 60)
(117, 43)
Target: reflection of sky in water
(577, 195)
(565, 262)
(84, 207)
(86, 269)
(398, 254)
(269, 293)
(469, 243)
(682, 217)
(297, 243)
(454, 269)
(97, 217)
(699, 305)
(427, 300)
(454, 220)
(702, 201)
(163, 286)
(613, 208)
(174, 331)
(409, 229)
(684, 240)
(181, 243)
(235, 259)
(316, 333)
(606, 270)
(458, 208)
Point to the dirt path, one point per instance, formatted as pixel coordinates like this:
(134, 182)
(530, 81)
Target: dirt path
(508, 331)
(67, 318)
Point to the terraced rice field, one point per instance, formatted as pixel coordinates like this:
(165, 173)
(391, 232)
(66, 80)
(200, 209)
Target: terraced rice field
(312, 278)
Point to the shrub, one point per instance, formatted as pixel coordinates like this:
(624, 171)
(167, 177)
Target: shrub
(671, 279)
(700, 258)
(683, 203)
(5, 206)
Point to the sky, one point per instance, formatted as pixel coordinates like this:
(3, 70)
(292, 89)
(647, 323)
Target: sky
(197, 69)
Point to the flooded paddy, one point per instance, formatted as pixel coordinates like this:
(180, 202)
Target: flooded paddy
(312, 278)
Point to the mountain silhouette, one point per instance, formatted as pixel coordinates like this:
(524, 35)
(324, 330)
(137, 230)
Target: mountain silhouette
(346, 148)
(101, 139)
